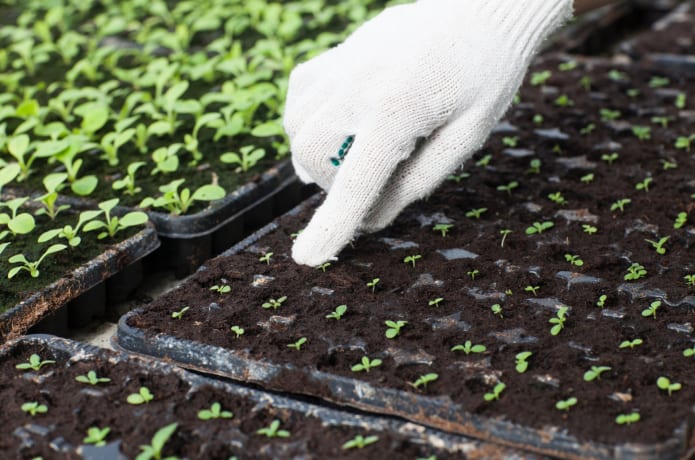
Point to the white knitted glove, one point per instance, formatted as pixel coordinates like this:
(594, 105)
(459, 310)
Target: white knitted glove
(442, 70)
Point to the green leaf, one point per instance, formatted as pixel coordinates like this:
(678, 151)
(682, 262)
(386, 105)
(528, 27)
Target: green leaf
(49, 235)
(267, 129)
(53, 181)
(8, 174)
(54, 248)
(209, 193)
(162, 436)
(18, 145)
(22, 224)
(94, 116)
(84, 186)
(133, 219)
(159, 128)
(108, 205)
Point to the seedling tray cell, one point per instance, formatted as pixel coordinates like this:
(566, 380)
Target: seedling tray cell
(178, 396)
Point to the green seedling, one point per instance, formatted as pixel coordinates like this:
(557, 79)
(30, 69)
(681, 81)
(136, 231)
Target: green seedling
(366, 364)
(587, 178)
(435, 302)
(557, 198)
(114, 224)
(34, 363)
(32, 408)
(685, 142)
(659, 82)
(558, 321)
(616, 75)
(247, 157)
(274, 303)
(566, 404)
(586, 82)
(338, 313)
(532, 289)
(221, 288)
(504, 232)
(52, 183)
(143, 396)
(644, 185)
(473, 273)
(18, 223)
(127, 183)
(540, 78)
(690, 279)
(521, 361)
(423, 380)
(476, 213)
(508, 187)
(595, 373)
(497, 310)
(659, 245)
(609, 115)
(266, 258)
(681, 220)
(156, 446)
(620, 204)
(642, 133)
(563, 100)
(601, 302)
(631, 343)
(538, 119)
(484, 161)
(610, 158)
(661, 121)
(459, 177)
(668, 164)
(588, 129)
(469, 348)
(574, 260)
(96, 436)
(589, 229)
(92, 378)
(411, 259)
(179, 314)
(394, 328)
(443, 228)
(372, 284)
(510, 141)
(360, 442)
(651, 310)
(633, 92)
(323, 266)
(31, 267)
(627, 419)
(634, 272)
(496, 392)
(664, 383)
(567, 65)
(215, 412)
(69, 233)
(298, 344)
(689, 352)
(681, 100)
(538, 227)
(237, 330)
(178, 201)
(273, 431)
(534, 166)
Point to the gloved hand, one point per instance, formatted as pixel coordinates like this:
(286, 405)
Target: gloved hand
(440, 70)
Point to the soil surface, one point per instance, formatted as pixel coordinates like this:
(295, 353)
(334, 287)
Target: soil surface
(73, 407)
(473, 267)
(674, 36)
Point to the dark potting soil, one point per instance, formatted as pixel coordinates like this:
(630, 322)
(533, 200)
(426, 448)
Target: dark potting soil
(74, 407)
(675, 36)
(473, 268)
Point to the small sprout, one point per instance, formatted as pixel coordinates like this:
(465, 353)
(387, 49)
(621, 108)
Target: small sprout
(690, 279)
(476, 213)
(497, 310)
(298, 344)
(469, 348)
(585, 82)
(34, 363)
(642, 133)
(659, 82)
(558, 321)
(473, 273)
(588, 129)
(521, 361)
(651, 310)
(563, 100)
(631, 343)
(458, 177)
(664, 383)
(557, 198)
(394, 328)
(366, 364)
(443, 228)
(616, 75)
(160, 438)
(557, 149)
(33, 408)
(538, 119)
(237, 330)
(96, 436)
(601, 301)
(662, 121)
(338, 312)
(510, 141)
(360, 442)
(91, 378)
(684, 142)
(266, 257)
(274, 431)
(566, 404)
(540, 78)
(681, 220)
(589, 229)
(214, 412)
(538, 228)
(610, 157)
(143, 396)
(635, 272)
(435, 302)
(274, 303)
(574, 260)
(504, 232)
(567, 65)
(644, 185)
(587, 178)
(609, 115)
(484, 161)
(179, 314)
(372, 284)
(411, 259)
(659, 245)
(633, 92)
(534, 166)
(626, 419)
(620, 204)
(423, 380)
(533, 289)
(508, 187)
(496, 392)
(668, 164)
(681, 100)
(221, 288)
(323, 266)
(689, 352)
(595, 373)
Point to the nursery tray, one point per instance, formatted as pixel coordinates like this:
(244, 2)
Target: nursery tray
(120, 259)
(574, 161)
(315, 432)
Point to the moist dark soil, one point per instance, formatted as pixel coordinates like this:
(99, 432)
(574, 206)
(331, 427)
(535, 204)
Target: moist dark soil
(676, 36)
(74, 407)
(471, 270)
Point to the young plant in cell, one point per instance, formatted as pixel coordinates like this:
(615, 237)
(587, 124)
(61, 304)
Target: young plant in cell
(111, 143)
(521, 361)
(68, 232)
(627, 419)
(338, 313)
(179, 314)
(273, 431)
(128, 182)
(659, 82)
(574, 260)
(587, 178)
(504, 232)
(393, 328)
(366, 364)
(538, 227)
(435, 302)
(644, 185)
(651, 310)
(143, 396)
(476, 213)
(594, 373)
(631, 343)
(668, 164)
(31, 267)
(35, 363)
(442, 228)
(681, 220)
(558, 321)
(497, 310)
(96, 436)
(19, 147)
(495, 393)
(298, 344)
(508, 187)
(586, 83)
(423, 380)
(557, 198)
(563, 100)
(634, 272)
(540, 78)
(690, 279)
(589, 229)
(601, 302)
(473, 273)
(247, 157)
(689, 352)
(155, 449)
(617, 75)
(274, 303)
(266, 257)
(609, 115)
(177, 201)
(661, 121)
(610, 158)
(52, 183)
(538, 119)
(588, 129)
(685, 142)
(237, 330)
(566, 66)
(532, 289)
(411, 259)
(91, 378)
(468, 347)
(619, 205)
(510, 141)
(373, 283)
(33, 408)
(681, 100)
(664, 383)
(323, 266)
(566, 404)
(112, 224)
(18, 223)
(214, 412)
(642, 133)
(534, 166)
(360, 442)
(221, 288)
(484, 161)
(659, 245)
